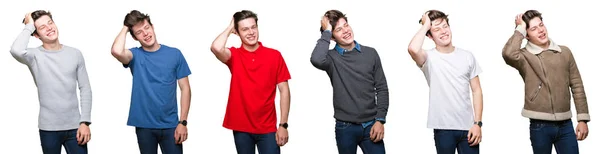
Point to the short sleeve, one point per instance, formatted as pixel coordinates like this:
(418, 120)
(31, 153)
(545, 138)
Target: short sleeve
(233, 54)
(283, 73)
(183, 70)
(475, 68)
(133, 53)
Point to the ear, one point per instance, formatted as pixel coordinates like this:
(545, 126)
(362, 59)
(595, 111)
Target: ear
(36, 35)
(429, 36)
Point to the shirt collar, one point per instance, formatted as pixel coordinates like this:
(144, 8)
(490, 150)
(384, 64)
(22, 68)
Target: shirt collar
(534, 49)
(342, 50)
(259, 46)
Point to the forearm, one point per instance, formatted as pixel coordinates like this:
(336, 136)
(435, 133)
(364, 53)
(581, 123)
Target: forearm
(85, 91)
(478, 105)
(512, 49)
(218, 45)
(319, 55)
(284, 100)
(578, 92)
(416, 43)
(118, 46)
(19, 46)
(186, 96)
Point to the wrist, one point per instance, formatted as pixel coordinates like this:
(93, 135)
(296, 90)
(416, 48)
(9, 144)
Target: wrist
(182, 122)
(84, 123)
(283, 125)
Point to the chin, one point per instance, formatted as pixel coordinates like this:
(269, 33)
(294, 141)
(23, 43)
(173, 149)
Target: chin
(251, 43)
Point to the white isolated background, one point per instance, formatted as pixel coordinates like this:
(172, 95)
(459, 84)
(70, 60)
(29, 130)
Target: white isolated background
(482, 27)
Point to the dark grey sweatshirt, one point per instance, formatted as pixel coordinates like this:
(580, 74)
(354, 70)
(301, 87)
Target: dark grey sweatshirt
(360, 91)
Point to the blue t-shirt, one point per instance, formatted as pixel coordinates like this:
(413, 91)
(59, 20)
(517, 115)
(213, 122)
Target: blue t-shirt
(154, 89)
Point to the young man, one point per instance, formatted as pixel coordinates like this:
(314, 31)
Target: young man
(157, 69)
(450, 72)
(360, 92)
(256, 71)
(550, 75)
(57, 71)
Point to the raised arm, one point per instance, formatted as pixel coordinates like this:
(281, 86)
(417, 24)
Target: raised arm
(118, 48)
(218, 45)
(415, 47)
(85, 90)
(19, 47)
(512, 49)
(319, 55)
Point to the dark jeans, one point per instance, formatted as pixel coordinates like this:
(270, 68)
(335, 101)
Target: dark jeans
(350, 135)
(544, 134)
(449, 141)
(149, 140)
(52, 141)
(245, 143)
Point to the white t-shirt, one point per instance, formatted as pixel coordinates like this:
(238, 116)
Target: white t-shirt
(448, 76)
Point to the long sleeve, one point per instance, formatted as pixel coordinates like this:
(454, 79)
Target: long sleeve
(85, 90)
(319, 57)
(19, 47)
(576, 84)
(381, 88)
(512, 49)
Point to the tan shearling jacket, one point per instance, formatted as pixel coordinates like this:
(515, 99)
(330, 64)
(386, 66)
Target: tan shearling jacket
(551, 76)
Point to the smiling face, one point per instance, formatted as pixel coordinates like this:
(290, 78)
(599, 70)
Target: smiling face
(46, 30)
(247, 29)
(342, 33)
(144, 33)
(536, 33)
(440, 32)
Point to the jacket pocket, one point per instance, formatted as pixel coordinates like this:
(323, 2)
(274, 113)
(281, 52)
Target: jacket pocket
(536, 92)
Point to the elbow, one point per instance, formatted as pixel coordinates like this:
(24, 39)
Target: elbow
(116, 52)
(216, 49)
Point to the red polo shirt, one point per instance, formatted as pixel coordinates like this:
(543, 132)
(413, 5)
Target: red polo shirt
(254, 79)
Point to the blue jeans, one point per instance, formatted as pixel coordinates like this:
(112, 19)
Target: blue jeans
(543, 134)
(149, 139)
(449, 141)
(53, 140)
(350, 135)
(245, 143)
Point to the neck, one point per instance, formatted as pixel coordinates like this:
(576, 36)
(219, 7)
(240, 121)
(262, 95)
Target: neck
(52, 46)
(348, 46)
(445, 49)
(151, 48)
(250, 48)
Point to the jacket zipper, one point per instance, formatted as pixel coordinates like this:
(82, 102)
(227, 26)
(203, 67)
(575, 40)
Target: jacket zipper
(537, 91)
(545, 77)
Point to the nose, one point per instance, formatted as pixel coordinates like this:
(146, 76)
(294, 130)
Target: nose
(145, 33)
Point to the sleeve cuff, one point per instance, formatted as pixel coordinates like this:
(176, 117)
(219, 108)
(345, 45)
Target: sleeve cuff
(30, 27)
(583, 117)
(521, 29)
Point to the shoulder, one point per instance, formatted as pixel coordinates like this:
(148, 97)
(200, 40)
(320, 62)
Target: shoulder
(465, 52)
(564, 48)
(72, 49)
(368, 49)
(271, 51)
(169, 48)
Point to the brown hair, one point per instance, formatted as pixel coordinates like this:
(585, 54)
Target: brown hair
(133, 18)
(241, 15)
(37, 15)
(529, 15)
(334, 16)
(434, 15)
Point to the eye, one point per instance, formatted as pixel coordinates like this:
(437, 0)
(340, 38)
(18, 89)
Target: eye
(534, 29)
(445, 26)
(138, 32)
